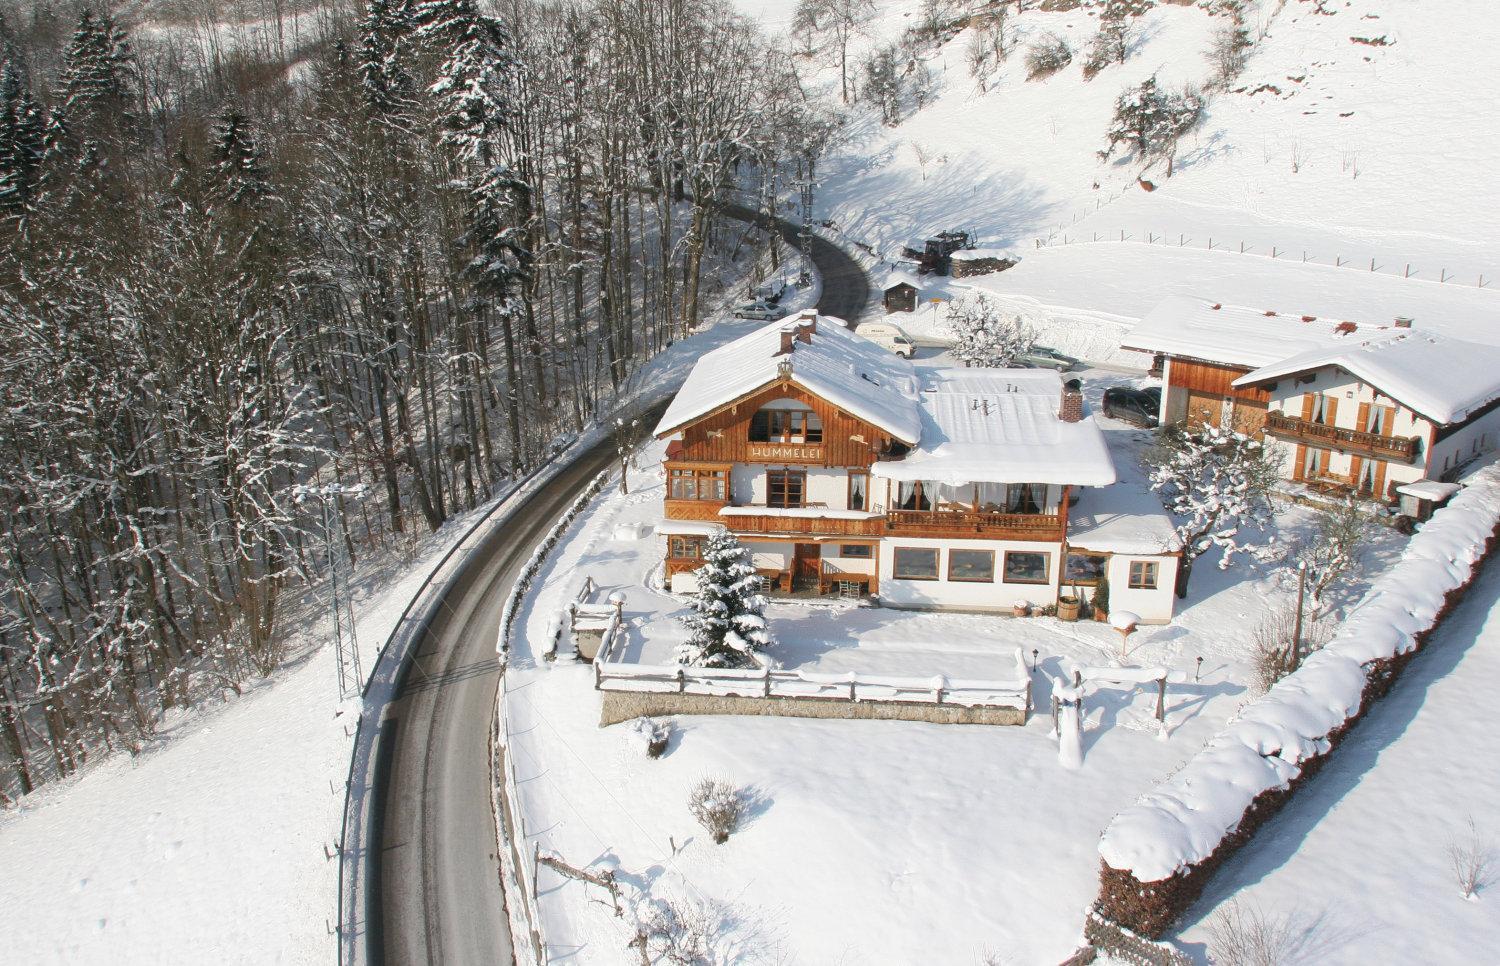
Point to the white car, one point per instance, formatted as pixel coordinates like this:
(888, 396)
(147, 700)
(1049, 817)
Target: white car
(758, 310)
(889, 336)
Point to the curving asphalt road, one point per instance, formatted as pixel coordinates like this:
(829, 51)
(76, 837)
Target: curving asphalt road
(421, 785)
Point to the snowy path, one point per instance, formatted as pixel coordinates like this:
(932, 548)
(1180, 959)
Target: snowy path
(1359, 859)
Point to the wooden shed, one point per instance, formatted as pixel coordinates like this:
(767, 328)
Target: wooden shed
(900, 293)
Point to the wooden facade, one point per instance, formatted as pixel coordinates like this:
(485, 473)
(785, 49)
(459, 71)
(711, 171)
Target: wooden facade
(1207, 386)
(901, 297)
(723, 436)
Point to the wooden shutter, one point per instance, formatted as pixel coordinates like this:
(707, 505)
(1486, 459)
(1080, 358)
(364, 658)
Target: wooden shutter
(1298, 469)
(1356, 466)
(1380, 493)
(1364, 418)
(1330, 411)
(1307, 407)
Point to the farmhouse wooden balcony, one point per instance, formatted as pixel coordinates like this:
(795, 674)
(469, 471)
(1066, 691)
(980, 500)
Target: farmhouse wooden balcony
(969, 523)
(694, 509)
(1389, 448)
(773, 522)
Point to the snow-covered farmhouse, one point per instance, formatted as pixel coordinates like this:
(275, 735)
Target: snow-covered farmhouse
(844, 468)
(1388, 412)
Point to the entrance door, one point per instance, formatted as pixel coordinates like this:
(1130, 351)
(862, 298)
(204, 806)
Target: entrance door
(807, 565)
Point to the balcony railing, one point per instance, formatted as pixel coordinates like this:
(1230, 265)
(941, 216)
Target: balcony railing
(774, 523)
(1390, 448)
(1042, 526)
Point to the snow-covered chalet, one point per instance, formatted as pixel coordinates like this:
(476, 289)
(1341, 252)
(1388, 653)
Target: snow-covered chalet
(1386, 411)
(845, 469)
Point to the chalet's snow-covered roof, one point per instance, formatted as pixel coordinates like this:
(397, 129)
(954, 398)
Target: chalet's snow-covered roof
(900, 278)
(1000, 426)
(1127, 518)
(1441, 378)
(1234, 335)
(843, 368)
(979, 254)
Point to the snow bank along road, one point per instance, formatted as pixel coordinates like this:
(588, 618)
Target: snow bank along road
(432, 881)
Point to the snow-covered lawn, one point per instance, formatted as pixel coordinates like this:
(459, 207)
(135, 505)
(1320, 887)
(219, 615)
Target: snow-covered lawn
(1358, 862)
(859, 829)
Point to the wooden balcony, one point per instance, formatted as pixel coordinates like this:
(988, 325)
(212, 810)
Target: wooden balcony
(694, 509)
(975, 523)
(1389, 448)
(795, 526)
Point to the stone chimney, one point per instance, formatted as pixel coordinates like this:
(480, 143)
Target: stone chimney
(1071, 408)
(1403, 322)
(789, 334)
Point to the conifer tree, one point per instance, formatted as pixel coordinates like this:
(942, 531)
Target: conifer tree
(238, 174)
(728, 624)
(98, 76)
(22, 140)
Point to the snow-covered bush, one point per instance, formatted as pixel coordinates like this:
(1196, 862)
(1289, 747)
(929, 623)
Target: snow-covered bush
(1271, 645)
(1217, 482)
(1111, 45)
(1240, 935)
(984, 336)
(1047, 56)
(728, 624)
(1228, 53)
(718, 806)
(1149, 120)
(1472, 859)
(652, 735)
(883, 83)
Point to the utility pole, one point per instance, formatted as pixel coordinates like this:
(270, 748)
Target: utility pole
(805, 186)
(340, 579)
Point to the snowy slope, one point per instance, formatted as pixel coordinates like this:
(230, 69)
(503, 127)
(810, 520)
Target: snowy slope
(1391, 158)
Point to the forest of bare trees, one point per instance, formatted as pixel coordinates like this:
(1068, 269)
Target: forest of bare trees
(409, 244)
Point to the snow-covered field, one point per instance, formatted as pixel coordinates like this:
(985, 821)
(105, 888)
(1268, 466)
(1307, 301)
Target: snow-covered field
(1358, 863)
(859, 829)
(1390, 164)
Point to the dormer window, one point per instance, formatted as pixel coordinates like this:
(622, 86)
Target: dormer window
(780, 425)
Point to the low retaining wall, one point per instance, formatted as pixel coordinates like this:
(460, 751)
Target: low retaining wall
(1150, 907)
(1125, 946)
(618, 706)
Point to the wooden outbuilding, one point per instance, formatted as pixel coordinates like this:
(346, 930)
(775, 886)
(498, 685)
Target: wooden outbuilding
(900, 293)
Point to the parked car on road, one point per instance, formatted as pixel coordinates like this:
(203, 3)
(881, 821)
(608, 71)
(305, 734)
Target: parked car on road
(1041, 357)
(1139, 407)
(889, 336)
(758, 310)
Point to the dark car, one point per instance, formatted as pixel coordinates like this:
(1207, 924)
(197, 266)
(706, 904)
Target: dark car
(1135, 406)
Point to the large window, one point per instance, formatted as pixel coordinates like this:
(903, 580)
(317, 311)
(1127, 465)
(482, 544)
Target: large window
(786, 488)
(1084, 568)
(1026, 567)
(910, 496)
(862, 551)
(1143, 574)
(786, 426)
(916, 563)
(1379, 421)
(685, 548)
(971, 565)
(695, 484)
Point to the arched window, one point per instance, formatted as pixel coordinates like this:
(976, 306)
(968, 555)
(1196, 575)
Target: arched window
(786, 421)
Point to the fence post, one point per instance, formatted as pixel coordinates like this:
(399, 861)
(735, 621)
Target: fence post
(1161, 699)
(681, 681)
(1056, 703)
(768, 681)
(536, 867)
(852, 679)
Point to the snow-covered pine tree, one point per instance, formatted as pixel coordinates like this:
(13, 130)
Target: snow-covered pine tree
(22, 140)
(237, 172)
(986, 337)
(98, 76)
(728, 622)
(383, 34)
(1217, 482)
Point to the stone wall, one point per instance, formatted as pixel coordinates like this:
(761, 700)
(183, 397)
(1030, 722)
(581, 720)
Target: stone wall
(620, 706)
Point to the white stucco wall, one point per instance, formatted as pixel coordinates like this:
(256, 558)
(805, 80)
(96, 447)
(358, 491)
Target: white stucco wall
(1469, 443)
(1152, 606)
(826, 485)
(995, 595)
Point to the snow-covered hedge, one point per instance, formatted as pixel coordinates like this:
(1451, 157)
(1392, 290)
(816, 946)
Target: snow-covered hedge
(1158, 853)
